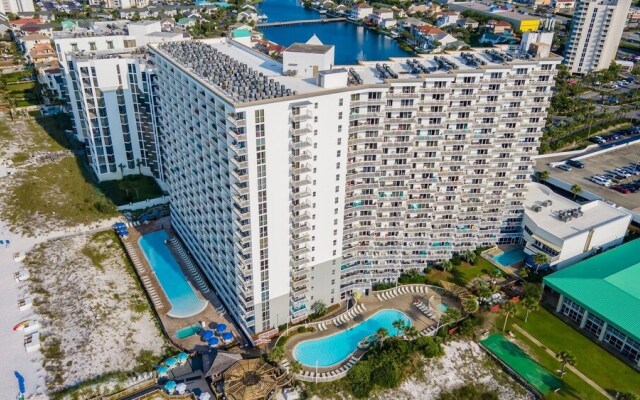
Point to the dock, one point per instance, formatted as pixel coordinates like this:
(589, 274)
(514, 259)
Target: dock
(301, 22)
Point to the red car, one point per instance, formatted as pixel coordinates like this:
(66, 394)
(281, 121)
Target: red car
(622, 189)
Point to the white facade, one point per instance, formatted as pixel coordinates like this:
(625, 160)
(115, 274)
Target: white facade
(360, 11)
(108, 82)
(595, 34)
(566, 240)
(305, 60)
(125, 4)
(16, 6)
(286, 192)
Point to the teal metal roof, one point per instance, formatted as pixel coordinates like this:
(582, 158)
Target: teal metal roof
(607, 284)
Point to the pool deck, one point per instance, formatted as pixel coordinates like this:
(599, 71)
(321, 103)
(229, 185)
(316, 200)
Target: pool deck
(170, 324)
(403, 303)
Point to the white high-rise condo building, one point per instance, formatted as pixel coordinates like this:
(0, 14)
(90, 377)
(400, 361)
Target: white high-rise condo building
(290, 188)
(109, 82)
(595, 34)
(16, 6)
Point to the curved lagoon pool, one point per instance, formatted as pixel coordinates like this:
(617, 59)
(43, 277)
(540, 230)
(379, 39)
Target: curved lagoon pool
(331, 350)
(184, 302)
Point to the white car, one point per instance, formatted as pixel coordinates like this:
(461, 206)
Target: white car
(622, 172)
(601, 180)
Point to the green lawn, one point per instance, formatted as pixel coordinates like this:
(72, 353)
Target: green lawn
(592, 360)
(24, 94)
(131, 189)
(463, 274)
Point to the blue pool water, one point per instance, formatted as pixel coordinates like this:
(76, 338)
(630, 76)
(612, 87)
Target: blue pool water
(510, 257)
(333, 349)
(443, 307)
(184, 302)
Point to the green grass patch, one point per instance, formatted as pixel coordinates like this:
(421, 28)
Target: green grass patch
(16, 76)
(21, 87)
(19, 158)
(131, 189)
(61, 191)
(49, 132)
(592, 360)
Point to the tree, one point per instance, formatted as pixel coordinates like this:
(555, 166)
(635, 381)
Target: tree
(446, 266)
(540, 259)
(626, 396)
(382, 334)
(469, 256)
(524, 273)
(450, 316)
(411, 332)
(399, 325)
(506, 310)
(470, 306)
(533, 290)
(543, 175)
(576, 190)
(530, 304)
(276, 354)
(565, 358)
(319, 308)
(359, 378)
(295, 366)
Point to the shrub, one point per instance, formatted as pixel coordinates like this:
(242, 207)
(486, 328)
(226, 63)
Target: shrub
(302, 329)
(429, 346)
(359, 378)
(456, 260)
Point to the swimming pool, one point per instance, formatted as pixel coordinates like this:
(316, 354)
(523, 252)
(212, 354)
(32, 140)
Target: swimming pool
(510, 257)
(188, 331)
(184, 302)
(443, 307)
(331, 350)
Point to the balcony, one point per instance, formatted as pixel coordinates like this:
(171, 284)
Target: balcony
(236, 119)
(301, 144)
(300, 115)
(300, 130)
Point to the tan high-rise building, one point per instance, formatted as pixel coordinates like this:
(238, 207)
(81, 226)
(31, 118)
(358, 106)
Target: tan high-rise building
(595, 34)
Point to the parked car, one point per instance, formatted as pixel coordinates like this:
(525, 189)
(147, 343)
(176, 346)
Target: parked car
(621, 189)
(622, 172)
(597, 140)
(631, 170)
(601, 180)
(575, 163)
(564, 167)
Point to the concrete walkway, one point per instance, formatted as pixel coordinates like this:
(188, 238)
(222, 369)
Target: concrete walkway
(569, 367)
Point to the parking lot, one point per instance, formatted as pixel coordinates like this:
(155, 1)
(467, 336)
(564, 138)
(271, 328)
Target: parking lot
(626, 155)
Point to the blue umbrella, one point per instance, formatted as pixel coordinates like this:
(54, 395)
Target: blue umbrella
(227, 336)
(221, 328)
(163, 370)
(170, 386)
(208, 334)
(20, 379)
(213, 342)
(182, 357)
(1, 241)
(171, 362)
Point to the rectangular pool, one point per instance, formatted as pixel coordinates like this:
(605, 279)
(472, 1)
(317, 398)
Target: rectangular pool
(510, 257)
(183, 299)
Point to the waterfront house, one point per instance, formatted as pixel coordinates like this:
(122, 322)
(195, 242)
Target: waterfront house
(185, 23)
(410, 23)
(563, 5)
(498, 27)
(360, 11)
(380, 15)
(328, 5)
(446, 18)
(429, 37)
(389, 23)
(417, 8)
(468, 23)
(168, 23)
(341, 9)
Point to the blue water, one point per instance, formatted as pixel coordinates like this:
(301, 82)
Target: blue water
(220, 4)
(333, 349)
(443, 307)
(353, 43)
(510, 257)
(184, 302)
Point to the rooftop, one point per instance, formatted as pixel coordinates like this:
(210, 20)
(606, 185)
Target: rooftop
(309, 48)
(606, 284)
(479, 7)
(548, 217)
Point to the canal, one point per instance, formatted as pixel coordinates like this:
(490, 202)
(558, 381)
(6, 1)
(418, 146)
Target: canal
(353, 43)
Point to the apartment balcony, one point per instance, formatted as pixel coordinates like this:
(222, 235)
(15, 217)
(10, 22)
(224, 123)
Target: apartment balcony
(301, 168)
(239, 176)
(302, 130)
(301, 194)
(243, 214)
(240, 189)
(300, 282)
(299, 240)
(301, 144)
(299, 116)
(301, 217)
(236, 119)
(239, 162)
(241, 201)
(300, 229)
(402, 95)
(304, 181)
(299, 311)
(300, 206)
(435, 90)
(368, 102)
(302, 156)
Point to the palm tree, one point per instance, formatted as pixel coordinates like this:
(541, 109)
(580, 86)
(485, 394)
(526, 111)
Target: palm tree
(382, 334)
(276, 354)
(565, 357)
(295, 366)
(121, 166)
(470, 306)
(319, 307)
(446, 266)
(529, 304)
(507, 309)
(399, 324)
(411, 332)
(139, 163)
(576, 190)
(540, 259)
(543, 176)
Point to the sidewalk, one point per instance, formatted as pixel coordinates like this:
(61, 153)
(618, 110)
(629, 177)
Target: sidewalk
(569, 367)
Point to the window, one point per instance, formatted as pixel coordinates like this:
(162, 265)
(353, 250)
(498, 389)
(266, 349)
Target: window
(109, 44)
(74, 47)
(92, 46)
(572, 311)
